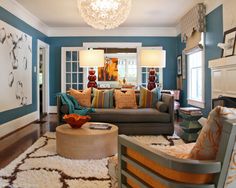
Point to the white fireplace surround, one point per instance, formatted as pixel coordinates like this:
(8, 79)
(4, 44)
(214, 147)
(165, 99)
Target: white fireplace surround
(223, 77)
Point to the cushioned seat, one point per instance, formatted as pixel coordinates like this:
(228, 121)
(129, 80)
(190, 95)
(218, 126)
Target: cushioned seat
(150, 115)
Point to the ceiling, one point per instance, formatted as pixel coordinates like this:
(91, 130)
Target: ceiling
(148, 13)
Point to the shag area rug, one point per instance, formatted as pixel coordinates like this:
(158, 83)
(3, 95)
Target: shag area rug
(40, 166)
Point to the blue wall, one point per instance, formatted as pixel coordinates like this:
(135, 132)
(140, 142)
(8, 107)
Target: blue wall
(168, 43)
(172, 45)
(19, 24)
(213, 35)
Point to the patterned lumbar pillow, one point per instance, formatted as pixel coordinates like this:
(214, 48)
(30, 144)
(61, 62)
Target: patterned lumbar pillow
(83, 98)
(207, 144)
(125, 99)
(148, 99)
(102, 99)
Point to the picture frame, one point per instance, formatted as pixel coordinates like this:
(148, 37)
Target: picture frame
(229, 41)
(110, 70)
(183, 65)
(179, 65)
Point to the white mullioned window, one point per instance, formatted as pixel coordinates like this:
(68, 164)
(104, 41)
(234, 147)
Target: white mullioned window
(195, 79)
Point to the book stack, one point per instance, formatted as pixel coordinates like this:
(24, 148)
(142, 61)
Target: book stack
(191, 111)
(190, 125)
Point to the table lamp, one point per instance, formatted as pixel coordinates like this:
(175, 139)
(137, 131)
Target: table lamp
(91, 58)
(152, 58)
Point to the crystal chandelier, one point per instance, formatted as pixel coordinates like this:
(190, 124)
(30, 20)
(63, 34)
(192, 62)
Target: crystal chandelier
(104, 14)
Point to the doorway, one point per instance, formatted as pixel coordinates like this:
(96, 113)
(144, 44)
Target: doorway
(43, 79)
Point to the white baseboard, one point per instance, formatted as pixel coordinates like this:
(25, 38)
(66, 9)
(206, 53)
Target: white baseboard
(18, 123)
(53, 109)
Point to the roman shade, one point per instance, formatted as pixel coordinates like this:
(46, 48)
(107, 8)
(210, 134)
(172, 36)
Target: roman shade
(193, 43)
(192, 25)
(193, 21)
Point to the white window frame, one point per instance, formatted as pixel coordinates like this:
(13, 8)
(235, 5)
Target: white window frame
(193, 102)
(63, 65)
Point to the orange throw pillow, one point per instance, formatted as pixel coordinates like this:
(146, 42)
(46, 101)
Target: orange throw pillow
(125, 100)
(83, 98)
(207, 144)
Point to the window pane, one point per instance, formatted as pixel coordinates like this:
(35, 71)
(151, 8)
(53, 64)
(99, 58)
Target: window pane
(74, 56)
(68, 56)
(80, 78)
(68, 77)
(144, 78)
(127, 68)
(74, 77)
(74, 67)
(195, 68)
(80, 86)
(68, 86)
(74, 86)
(68, 67)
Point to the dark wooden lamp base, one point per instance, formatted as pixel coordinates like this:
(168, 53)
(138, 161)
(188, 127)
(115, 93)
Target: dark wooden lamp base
(92, 79)
(151, 79)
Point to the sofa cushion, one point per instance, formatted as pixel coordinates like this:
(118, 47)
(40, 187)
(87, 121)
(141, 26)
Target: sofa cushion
(162, 107)
(207, 144)
(141, 115)
(102, 98)
(148, 99)
(83, 98)
(125, 99)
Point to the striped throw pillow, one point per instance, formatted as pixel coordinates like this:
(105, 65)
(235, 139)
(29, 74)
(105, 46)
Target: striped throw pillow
(102, 99)
(148, 99)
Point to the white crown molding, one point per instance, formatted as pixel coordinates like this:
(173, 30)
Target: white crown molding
(178, 29)
(19, 11)
(120, 31)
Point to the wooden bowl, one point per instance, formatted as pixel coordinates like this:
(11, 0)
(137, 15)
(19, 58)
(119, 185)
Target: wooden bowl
(76, 121)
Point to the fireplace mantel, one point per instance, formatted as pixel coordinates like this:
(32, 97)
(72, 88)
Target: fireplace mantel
(223, 77)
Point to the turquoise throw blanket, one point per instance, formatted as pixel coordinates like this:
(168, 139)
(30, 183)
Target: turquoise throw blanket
(73, 105)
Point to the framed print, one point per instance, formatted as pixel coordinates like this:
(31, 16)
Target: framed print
(110, 70)
(179, 65)
(183, 65)
(16, 67)
(229, 42)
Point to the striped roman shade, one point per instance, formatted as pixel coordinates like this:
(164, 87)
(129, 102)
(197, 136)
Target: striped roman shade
(102, 99)
(148, 99)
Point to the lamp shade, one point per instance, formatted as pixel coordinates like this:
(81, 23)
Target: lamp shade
(91, 58)
(153, 58)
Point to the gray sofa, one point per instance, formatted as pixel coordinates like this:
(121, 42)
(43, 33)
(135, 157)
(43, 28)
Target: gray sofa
(141, 121)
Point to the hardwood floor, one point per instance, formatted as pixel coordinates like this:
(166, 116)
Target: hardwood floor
(12, 145)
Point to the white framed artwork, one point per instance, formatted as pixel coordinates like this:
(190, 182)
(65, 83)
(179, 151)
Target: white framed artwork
(15, 67)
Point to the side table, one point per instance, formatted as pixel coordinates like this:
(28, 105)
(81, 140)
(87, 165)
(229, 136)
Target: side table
(190, 127)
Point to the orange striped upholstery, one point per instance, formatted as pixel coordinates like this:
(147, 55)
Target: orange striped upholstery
(175, 175)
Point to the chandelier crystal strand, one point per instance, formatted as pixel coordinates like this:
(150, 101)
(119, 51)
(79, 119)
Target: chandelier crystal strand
(104, 14)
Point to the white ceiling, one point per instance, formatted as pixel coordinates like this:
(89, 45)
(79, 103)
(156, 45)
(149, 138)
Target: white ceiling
(144, 13)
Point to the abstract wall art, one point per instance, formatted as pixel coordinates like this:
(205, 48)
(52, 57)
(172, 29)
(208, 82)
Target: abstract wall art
(110, 70)
(15, 67)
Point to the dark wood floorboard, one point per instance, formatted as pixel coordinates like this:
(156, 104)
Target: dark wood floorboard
(16, 143)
